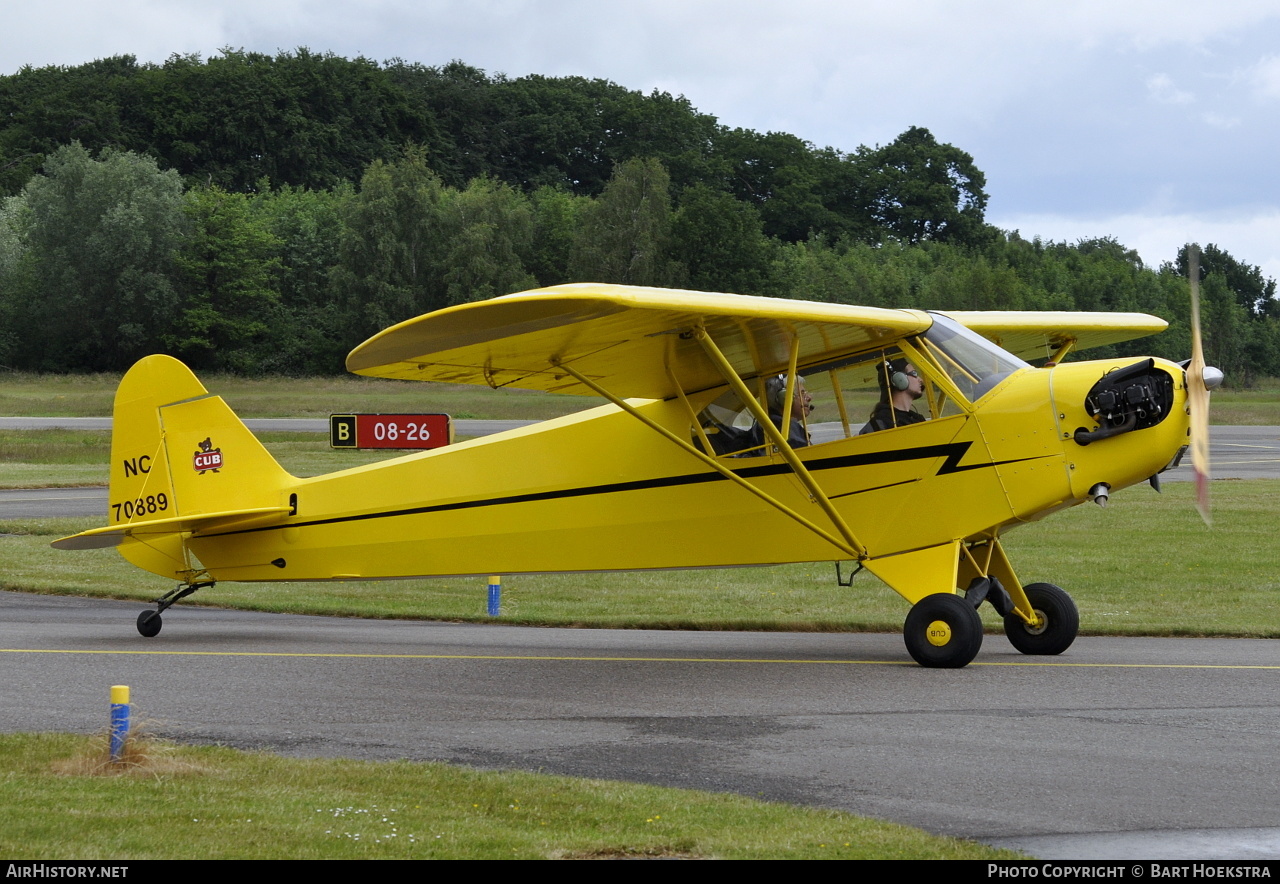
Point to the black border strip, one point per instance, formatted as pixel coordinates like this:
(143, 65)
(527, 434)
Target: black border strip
(952, 451)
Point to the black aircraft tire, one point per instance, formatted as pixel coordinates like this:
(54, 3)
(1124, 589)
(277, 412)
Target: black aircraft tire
(943, 631)
(1062, 621)
(149, 624)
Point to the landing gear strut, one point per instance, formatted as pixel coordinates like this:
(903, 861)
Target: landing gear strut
(149, 622)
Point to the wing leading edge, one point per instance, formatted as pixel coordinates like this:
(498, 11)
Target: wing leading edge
(1030, 334)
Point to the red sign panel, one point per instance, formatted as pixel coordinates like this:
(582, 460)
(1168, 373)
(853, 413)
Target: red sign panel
(389, 430)
(204, 461)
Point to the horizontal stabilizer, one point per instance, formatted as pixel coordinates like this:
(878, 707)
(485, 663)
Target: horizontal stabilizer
(114, 535)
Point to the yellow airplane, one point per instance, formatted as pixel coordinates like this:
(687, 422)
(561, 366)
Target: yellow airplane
(704, 457)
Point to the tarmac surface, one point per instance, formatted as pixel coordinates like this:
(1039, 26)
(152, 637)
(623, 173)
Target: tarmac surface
(1122, 748)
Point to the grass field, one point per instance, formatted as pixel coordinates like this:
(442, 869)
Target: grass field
(68, 458)
(29, 395)
(172, 802)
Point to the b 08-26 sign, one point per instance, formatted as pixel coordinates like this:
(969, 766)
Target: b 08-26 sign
(389, 430)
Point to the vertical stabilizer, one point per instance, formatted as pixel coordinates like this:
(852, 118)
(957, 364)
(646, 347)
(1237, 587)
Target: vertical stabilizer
(178, 451)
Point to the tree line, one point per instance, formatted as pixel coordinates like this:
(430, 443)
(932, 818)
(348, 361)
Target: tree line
(265, 214)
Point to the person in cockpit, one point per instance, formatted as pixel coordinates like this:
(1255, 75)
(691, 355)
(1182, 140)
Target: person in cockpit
(900, 387)
(801, 407)
(750, 441)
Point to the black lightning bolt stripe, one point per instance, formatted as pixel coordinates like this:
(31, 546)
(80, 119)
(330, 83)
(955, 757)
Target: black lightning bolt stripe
(952, 451)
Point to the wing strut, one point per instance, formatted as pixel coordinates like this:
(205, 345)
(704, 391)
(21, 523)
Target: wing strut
(776, 436)
(853, 550)
(1063, 349)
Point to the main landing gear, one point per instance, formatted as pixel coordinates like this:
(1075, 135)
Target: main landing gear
(1059, 621)
(944, 631)
(149, 622)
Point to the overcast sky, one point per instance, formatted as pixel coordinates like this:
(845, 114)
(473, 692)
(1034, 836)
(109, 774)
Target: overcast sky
(1153, 121)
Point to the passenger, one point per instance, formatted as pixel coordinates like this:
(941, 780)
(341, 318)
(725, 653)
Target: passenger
(900, 386)
(750, 442)
(801, 407)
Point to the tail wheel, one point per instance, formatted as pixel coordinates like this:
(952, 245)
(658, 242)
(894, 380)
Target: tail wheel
(149, 624)
(943, 631)
(1060, 621)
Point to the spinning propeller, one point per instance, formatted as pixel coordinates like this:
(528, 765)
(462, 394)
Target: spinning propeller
(1200, 380)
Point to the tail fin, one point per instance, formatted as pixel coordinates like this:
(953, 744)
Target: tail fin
(180, 461)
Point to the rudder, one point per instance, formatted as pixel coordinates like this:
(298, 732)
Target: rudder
(179, 451)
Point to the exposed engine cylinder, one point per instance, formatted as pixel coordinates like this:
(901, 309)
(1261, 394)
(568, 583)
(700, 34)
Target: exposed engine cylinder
(1131, 398)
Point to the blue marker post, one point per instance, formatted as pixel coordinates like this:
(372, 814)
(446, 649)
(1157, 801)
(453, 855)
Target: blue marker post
(495, 596)
(119, 721)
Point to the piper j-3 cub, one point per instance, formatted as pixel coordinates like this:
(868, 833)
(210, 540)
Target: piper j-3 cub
(703, 457)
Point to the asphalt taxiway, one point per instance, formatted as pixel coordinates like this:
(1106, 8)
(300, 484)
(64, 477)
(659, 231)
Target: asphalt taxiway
(1122, 748)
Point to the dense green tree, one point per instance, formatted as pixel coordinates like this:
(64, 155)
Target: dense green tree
(15, 274)
(102, 233)
(787, 181)
(917, 189)
(625, 232)
(226, 270)
(42, 109)
(307, 227)
(1253, 292)
(389, 257)
(473, 185)
(466, 113)
(557, 215)
(720, 241)
(300, 118)
(489, 231)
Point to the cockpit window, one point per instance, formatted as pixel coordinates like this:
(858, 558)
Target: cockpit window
(841, 399)
(729, 427)
(974, 364)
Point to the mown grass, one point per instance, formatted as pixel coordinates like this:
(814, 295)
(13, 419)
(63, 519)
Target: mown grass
(42, 395)
(1257, 406)
(180, 802)
(1146, 565)
(69, 458)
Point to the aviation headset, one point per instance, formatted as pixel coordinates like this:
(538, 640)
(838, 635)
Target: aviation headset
(775, 391)
(896, 378)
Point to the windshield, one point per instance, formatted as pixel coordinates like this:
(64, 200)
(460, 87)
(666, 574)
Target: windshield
(975, 364)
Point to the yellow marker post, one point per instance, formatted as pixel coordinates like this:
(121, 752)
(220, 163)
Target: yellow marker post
(119, 720)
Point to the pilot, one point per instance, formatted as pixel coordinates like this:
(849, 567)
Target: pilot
(900, 387)
(801, 407)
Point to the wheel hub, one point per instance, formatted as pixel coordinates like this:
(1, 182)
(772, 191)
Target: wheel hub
(1042, 623)
(938, 633)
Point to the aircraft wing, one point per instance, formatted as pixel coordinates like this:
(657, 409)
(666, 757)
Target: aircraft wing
(623, 337)
(1038, 334)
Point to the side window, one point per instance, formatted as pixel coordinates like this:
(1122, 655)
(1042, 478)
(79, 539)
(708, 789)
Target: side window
(856, 392)
(729, 427)
(881, 390)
